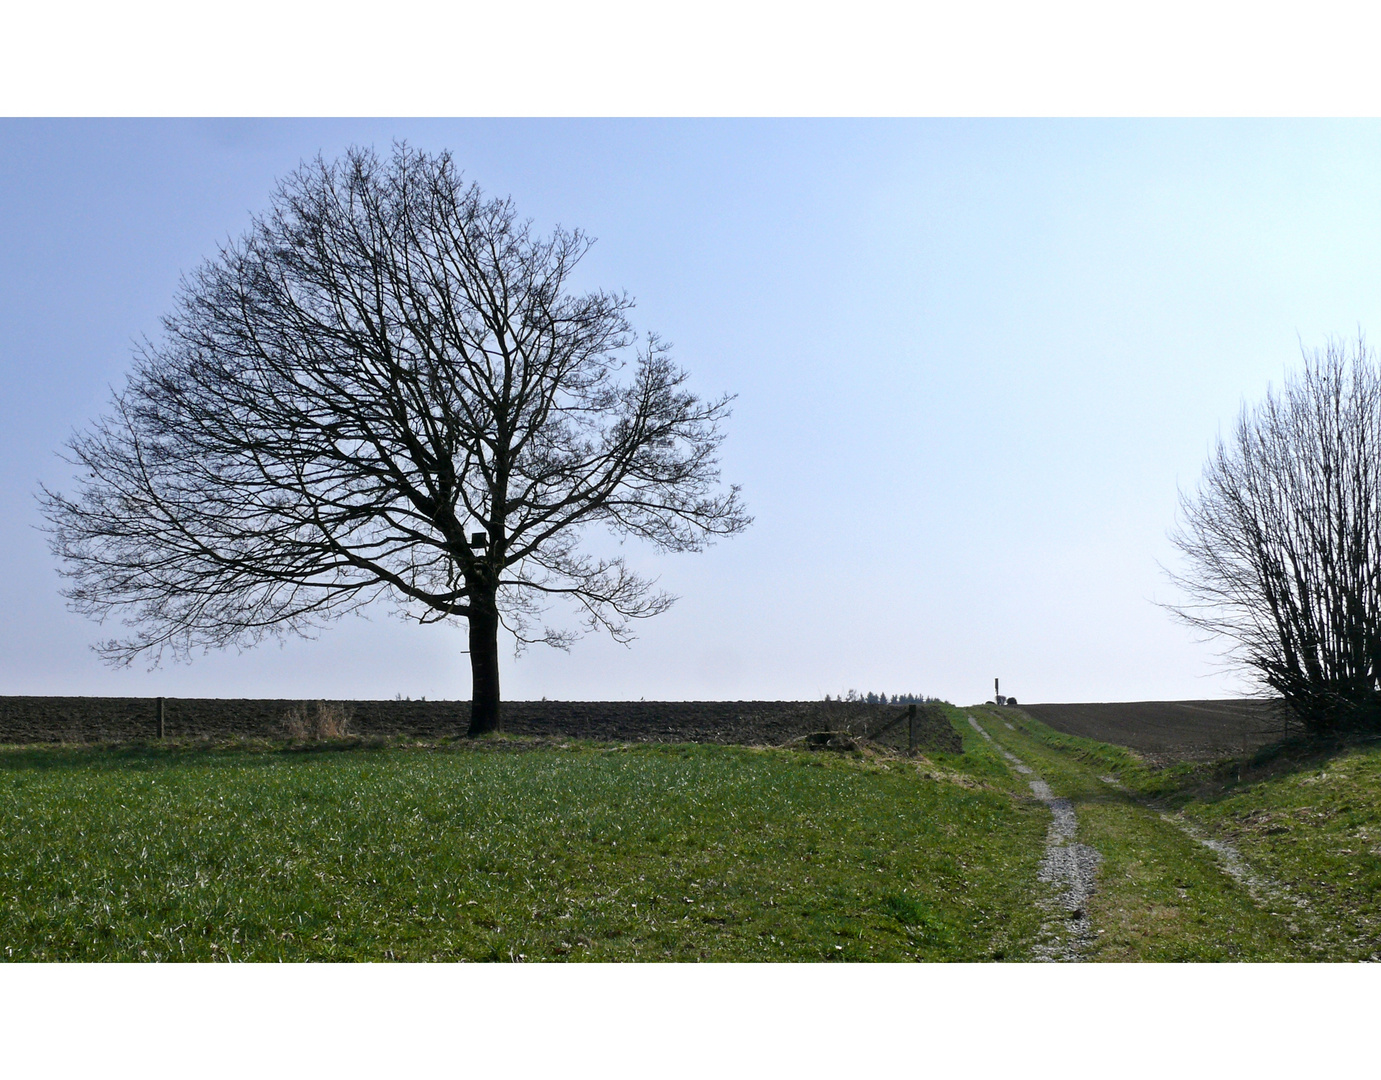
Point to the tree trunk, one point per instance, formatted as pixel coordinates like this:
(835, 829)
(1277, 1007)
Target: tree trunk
(484, 669)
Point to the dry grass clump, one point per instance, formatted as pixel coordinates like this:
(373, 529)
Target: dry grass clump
(318, 720)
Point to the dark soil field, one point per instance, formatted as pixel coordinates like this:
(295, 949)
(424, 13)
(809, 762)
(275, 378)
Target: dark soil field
(1186, 730)
(753, 723)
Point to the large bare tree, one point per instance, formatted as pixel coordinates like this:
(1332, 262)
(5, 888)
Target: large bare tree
(1283, 541)
(387, 388)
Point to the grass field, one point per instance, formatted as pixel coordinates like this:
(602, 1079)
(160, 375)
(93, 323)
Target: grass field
(523, 849)
(503, 850)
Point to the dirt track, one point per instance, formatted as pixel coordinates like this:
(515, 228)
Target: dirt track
(1070, 865)
(1180, 729)
(90, 719)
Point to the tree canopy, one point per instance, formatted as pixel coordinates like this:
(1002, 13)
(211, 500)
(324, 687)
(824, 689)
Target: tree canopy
(386, 389)
(1282, 541)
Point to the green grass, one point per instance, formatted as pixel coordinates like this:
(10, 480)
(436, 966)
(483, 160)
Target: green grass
(1311, 822)
(498, 851)
(507, 849)
(1306, 820)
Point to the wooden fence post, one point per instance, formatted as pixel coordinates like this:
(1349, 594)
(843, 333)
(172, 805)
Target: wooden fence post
(911, 728)
(160, 718)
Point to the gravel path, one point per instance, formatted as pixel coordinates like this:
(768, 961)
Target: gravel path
(1069, 933)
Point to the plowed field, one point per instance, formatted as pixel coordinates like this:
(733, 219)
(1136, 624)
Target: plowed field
(1173, 729)
(754, 723)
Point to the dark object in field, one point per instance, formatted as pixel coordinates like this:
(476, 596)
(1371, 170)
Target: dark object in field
(1173, 729)
(753, 723)
(830, 740)
(1011, 701)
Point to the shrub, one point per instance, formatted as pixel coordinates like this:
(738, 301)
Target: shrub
(318, 720)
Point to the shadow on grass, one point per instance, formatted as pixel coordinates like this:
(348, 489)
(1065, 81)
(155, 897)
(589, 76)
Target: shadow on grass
(1165, 778)
(1302, 753)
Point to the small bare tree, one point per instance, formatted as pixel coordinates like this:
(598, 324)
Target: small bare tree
(386, 388)
(1283, 541)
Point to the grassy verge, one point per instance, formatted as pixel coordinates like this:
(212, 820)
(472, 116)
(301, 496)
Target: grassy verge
(1310, 824)
(480, 853)
(1305, 818)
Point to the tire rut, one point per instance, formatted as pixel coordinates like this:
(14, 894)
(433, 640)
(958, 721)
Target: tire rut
(1266, 893)
(1073, 867)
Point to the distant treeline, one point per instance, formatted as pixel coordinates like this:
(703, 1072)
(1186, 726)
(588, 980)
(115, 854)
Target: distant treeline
(871, 698)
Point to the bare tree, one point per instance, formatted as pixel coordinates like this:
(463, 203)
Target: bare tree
(385, 388)
(1283, 541)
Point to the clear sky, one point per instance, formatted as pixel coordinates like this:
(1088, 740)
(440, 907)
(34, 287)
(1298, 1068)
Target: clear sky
(974, 362)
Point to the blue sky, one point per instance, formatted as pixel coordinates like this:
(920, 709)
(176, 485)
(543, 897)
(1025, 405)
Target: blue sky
(974, 361)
